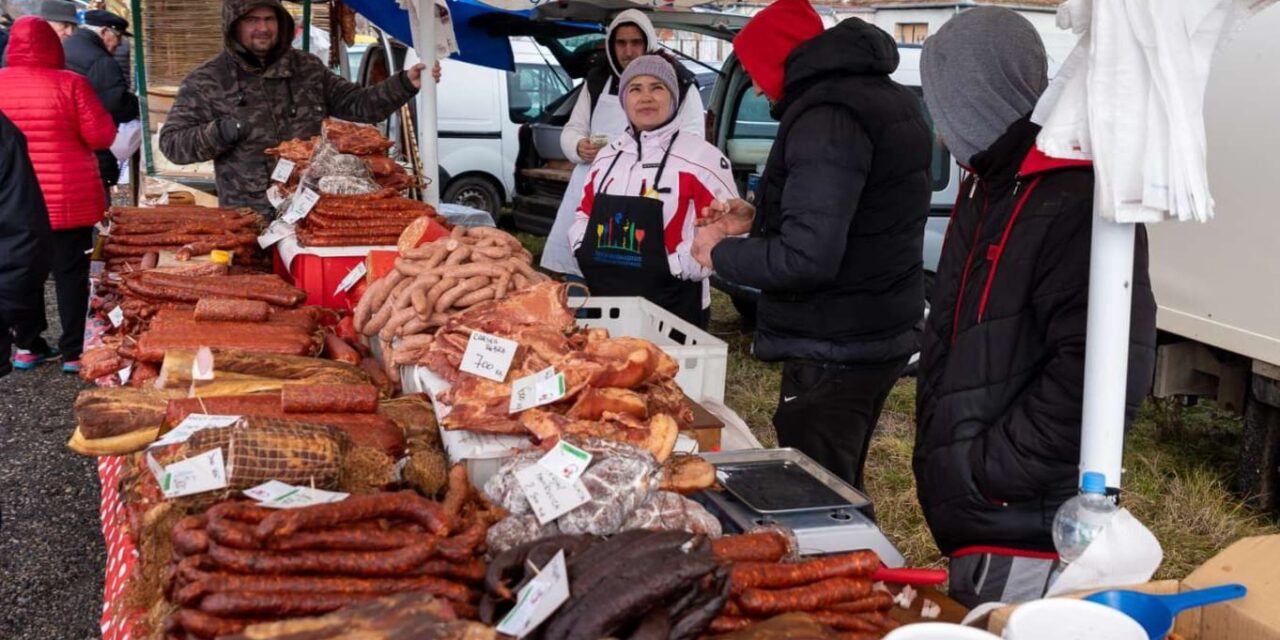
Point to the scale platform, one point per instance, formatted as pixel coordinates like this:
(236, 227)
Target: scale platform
(784, 486)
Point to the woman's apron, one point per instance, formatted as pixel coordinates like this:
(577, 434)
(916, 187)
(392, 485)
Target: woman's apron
(623, 252)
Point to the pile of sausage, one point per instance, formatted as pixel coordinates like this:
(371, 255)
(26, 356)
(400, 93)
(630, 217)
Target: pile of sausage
(138, 235)
(239, 297)
(432, 282)
(159, 310)
(639, 584)
(376, 218)
(351, 408)
(349, 138)
(239, 563)
(834, 590)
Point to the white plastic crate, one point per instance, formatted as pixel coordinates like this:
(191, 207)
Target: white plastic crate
(703, 358)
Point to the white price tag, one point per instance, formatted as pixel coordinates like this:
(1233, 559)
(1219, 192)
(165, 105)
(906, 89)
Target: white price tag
(268, 490)
(548, 495)
(274, 196)
(116, 316)
(352, 278)
(303, 202)
(279, 230)
(205, 472)
(538, 599)
(202, 364)
(283, 171)
(304, 497)
(125, 374)
(278, 495)
(193, 423)
(488, 356)
(566, 461)
(543, 387)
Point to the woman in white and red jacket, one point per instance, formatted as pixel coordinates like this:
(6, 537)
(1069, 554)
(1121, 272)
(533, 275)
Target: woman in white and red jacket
(633, 232)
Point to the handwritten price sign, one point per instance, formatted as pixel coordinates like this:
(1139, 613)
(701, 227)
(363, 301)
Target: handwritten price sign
(488, 356)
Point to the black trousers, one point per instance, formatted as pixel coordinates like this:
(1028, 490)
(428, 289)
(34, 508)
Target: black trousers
(70, 270)
(829, 411)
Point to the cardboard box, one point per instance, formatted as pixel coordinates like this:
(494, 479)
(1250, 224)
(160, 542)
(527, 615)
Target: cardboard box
(1253, 562)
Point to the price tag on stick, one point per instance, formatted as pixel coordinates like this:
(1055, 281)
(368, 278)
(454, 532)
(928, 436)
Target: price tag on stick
(538, 599)
(202, 365)
(205, 472)
(279, 230)
(550, 496)
(352, 278)
(543, 387)
(283, 171)
(303, 202)
(488, 356)
(566, 461)
(116, 316)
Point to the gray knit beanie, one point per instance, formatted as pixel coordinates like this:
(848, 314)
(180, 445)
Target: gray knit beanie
(651, 65)
(981, 72)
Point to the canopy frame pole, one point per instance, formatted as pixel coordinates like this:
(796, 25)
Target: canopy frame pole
(306, 26)
(140, 75)
(427, 126)
(1106, 359)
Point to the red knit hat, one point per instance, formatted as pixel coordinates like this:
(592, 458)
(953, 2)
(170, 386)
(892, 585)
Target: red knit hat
(764, 44)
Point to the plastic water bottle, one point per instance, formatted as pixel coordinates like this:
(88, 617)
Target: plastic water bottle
(1080, 519)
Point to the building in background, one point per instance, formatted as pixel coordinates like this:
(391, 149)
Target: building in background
(908, 21)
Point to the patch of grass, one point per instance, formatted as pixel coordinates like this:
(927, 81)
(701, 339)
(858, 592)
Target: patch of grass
(534, 243)
(1179, 472)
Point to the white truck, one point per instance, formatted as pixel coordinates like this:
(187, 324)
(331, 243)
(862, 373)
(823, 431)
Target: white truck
(1217, 285)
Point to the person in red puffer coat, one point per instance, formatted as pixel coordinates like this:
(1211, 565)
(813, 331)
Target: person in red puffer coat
(64, 123)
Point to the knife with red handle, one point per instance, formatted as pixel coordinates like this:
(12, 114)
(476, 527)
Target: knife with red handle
(916, 577)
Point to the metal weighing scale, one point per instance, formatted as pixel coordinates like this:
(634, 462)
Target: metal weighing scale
(786, 487)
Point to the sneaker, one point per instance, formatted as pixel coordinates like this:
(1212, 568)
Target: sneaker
(25, 360)
(71, 366)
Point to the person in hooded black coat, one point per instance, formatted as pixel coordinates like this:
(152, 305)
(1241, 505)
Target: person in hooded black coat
(836, 235)
(90, 55)
(25, 246)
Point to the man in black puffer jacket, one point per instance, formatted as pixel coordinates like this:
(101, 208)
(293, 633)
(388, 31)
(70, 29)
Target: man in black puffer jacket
(89, 53)
(1001, 379)
(836, 247)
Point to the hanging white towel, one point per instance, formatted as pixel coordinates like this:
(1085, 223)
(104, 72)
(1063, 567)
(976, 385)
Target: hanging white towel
(1130, 97)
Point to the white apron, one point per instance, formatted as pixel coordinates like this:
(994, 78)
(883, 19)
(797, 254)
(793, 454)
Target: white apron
(609, 118)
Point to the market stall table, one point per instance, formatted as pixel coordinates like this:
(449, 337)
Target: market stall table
(122, 555)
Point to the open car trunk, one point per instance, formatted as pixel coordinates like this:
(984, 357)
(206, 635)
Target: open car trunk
(542, 172)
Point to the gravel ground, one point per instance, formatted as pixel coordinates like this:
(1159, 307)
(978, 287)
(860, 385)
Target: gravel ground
(51, 551)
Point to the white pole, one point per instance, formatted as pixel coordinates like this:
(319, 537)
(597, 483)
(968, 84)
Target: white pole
(1106, 355)
(428, 153)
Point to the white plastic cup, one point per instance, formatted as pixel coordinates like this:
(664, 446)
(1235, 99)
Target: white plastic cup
(939, 631)
(1067, 619)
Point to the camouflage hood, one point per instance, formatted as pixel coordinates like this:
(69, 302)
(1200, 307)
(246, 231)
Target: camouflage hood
(233, 10)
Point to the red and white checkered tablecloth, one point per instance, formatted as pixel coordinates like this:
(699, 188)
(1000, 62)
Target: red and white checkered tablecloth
(122, 555)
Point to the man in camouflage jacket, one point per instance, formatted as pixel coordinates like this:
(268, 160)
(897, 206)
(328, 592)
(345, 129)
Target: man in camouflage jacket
(260, 92)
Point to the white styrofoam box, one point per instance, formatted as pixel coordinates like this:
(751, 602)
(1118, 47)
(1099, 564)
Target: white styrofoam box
(703, 358)
(482, 453)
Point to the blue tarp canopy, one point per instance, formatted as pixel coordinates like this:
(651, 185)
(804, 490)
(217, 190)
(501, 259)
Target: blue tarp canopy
(475, 43)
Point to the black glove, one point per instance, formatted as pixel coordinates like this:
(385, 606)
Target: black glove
(229, 131)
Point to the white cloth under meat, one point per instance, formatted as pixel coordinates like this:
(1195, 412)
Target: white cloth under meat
(1130, 98)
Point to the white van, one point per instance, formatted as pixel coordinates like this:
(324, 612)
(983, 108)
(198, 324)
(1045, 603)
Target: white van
(480, 111)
